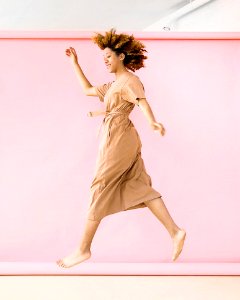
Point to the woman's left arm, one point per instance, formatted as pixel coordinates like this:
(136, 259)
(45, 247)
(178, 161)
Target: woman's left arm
(147, 111)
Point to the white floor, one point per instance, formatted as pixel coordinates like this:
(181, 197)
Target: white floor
(119, 287)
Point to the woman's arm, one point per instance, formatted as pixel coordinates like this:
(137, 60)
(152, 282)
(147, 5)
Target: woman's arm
(147, 111)
(88, 89)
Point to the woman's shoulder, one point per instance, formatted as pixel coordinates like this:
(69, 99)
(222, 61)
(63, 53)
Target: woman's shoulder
(133, 75)
(133, 78)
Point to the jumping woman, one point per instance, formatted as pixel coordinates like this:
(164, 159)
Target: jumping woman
(121, 181)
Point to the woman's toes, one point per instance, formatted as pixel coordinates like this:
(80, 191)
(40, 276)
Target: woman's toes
(178, 243)
(60, 262)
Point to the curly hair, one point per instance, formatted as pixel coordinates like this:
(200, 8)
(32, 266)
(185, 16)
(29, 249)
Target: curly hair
(123, 43)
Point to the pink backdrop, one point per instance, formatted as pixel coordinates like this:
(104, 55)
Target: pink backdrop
(48, 148)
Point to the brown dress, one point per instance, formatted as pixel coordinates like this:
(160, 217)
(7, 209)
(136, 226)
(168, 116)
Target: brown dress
(120, 181)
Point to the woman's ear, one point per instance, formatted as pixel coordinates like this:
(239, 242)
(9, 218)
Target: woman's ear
(122, 56)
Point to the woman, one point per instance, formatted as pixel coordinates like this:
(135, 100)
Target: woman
(121, 181)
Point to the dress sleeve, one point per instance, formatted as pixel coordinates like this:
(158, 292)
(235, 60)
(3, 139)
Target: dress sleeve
(102, 89)
(133, 90)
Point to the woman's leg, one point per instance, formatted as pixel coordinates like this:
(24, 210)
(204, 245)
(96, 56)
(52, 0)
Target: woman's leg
(82, 252)
(177, 234)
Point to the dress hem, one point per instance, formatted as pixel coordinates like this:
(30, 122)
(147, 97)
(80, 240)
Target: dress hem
(135, 206)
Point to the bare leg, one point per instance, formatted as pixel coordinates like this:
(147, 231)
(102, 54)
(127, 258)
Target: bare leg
(177, 234)
(82, 252)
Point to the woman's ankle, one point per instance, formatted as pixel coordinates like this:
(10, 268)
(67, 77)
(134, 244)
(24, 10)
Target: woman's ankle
(174, 231)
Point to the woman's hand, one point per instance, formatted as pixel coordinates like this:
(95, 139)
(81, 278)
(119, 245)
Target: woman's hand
(72, 54)
(158, 126)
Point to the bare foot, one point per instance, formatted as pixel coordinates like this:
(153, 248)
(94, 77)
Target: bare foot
(178, 241)
(73, 259)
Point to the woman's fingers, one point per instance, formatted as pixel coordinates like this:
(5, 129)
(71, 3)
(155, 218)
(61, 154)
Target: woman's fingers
(161, 128)
(72, 50)
(72, 54)
(68, 51)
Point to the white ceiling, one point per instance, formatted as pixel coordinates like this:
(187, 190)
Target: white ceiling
(90, 15)
(127, 15)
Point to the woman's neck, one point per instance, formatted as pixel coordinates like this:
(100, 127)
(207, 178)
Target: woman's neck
(120, 74)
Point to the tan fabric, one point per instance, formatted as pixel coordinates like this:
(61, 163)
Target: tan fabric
(120, 181)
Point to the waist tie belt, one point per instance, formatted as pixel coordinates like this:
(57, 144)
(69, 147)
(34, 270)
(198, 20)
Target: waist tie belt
(106, 113)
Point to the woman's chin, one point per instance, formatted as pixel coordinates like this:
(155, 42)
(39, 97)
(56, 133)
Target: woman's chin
(110, 70)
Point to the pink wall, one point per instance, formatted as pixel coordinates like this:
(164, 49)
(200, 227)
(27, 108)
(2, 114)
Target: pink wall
(48, 148)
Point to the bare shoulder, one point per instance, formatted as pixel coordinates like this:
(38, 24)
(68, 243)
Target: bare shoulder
(135, 78)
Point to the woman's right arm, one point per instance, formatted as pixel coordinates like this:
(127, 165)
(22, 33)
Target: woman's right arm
(88, 89)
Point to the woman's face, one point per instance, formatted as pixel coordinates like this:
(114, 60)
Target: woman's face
(112, 61)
